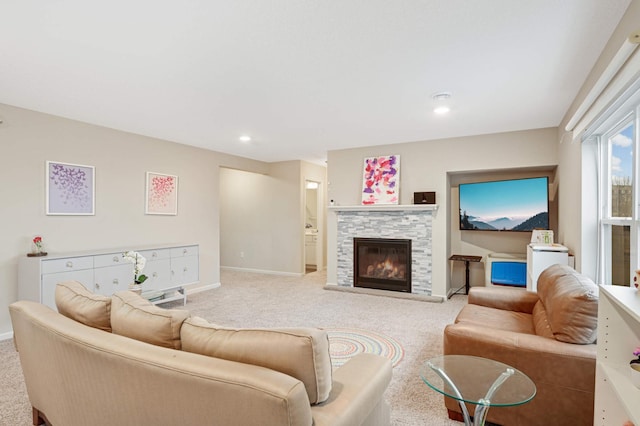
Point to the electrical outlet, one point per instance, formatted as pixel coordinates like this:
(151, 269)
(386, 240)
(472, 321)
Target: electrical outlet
(242, 255)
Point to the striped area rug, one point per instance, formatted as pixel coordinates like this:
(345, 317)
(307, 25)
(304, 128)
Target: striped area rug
(345, 343)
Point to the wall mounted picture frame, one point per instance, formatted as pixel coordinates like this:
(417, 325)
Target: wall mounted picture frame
(381, 180)
(161, 194)
(70, 189)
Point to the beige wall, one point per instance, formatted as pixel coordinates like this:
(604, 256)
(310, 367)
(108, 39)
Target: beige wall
(577, 219)
(425, 166)
(262, 216)
(28, 139)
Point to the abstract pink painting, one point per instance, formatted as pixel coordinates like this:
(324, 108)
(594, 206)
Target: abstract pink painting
(162, 194)
(381, 180)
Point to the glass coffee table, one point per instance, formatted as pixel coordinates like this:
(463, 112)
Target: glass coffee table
(480, 381)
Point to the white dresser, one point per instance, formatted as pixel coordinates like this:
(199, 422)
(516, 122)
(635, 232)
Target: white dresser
(169, 268)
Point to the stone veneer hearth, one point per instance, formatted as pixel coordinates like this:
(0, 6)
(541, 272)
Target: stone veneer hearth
(412, 222)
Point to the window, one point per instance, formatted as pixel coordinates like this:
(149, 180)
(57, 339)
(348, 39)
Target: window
(619, 179)
(618, 147)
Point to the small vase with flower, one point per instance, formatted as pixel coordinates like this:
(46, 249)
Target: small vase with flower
(37, 247)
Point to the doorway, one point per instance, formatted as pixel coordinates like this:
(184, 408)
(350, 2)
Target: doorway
(312, 224)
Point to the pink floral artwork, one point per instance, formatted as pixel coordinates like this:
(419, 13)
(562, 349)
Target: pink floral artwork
(381, 180)
(162, 194)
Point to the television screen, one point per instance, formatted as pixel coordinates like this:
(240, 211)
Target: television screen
(505, 205)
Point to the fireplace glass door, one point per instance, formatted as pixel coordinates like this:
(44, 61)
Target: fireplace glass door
(382, 263)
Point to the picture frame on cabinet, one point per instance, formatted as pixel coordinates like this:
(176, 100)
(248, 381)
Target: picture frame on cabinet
(70, 189)
(161, 194)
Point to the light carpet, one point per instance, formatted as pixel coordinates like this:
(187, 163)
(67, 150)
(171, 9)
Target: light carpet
(345, 343)
(260, 300)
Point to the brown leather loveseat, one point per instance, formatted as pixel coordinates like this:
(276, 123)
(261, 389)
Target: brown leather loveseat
(549, 335)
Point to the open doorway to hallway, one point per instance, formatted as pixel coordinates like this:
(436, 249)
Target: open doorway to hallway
(312, 248)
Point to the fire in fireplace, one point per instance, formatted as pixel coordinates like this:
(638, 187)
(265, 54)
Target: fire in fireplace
(382, 263)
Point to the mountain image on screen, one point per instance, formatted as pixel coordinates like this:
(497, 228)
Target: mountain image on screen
(539, 221)
(508, 205)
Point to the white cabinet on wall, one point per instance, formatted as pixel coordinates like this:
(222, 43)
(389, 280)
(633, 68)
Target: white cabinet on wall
(616, 398)
(168, 268)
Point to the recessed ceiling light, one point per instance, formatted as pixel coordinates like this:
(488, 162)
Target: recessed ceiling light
(441, 99)
(245, 138)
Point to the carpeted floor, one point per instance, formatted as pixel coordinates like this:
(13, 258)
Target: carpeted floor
(258, 300)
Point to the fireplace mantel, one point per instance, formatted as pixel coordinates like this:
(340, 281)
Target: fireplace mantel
(410, 221)
(385, 207)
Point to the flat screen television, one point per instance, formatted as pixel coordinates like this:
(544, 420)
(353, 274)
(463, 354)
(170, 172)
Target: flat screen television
(505, 205)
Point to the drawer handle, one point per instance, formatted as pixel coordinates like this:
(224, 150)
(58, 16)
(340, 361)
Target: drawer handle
(154, 254)
(154, 275)
(98, 286)
(115, 281)
(184, 251)
(185, 269)
(116, 259)
(69, 264)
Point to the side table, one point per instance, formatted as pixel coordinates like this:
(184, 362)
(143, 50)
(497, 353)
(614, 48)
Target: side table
(480, 381)
(466, 260)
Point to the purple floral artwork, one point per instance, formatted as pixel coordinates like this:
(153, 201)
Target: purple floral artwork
(162, 194)
(381, 180)
(70, 189)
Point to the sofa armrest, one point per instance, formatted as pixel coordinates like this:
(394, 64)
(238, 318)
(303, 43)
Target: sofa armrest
(358, 388)
(504, 298)
(543, 359)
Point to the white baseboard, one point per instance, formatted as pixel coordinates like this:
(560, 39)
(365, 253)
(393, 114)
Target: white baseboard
(6, 336)
(203, 288)
(262, 271)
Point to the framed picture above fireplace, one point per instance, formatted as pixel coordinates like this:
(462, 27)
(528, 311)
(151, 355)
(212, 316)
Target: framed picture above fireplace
(381, 180)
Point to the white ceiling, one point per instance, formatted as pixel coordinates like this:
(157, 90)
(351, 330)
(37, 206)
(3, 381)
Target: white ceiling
(301, 77)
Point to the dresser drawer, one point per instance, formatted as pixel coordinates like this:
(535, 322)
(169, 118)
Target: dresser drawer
(67, 264)
(112, 259)
(184, 251)
(158, 254)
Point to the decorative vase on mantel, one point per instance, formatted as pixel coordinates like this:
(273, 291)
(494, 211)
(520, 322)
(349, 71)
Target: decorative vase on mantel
(136, 288)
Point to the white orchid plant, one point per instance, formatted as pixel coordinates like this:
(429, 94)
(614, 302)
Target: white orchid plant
(138, 261)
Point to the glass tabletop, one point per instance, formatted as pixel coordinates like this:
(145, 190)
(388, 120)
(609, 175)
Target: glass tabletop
(478, 380)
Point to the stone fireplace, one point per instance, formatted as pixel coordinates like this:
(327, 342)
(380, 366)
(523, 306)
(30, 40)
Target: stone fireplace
(382, 263)
(398, 222)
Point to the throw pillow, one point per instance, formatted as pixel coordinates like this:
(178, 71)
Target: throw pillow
(135, 317)
(75, 301)
(302, 353)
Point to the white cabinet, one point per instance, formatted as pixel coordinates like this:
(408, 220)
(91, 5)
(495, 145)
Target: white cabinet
(168, 268)
(184, 265)
(540, 257)
(310, 243)
(157, 269)
(616, 398)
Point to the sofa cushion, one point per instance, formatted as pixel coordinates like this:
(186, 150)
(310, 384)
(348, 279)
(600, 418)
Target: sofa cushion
(75, 301)
(302, 353)
(135, 317)
(540, 321)
(570, 300)
(498, 319)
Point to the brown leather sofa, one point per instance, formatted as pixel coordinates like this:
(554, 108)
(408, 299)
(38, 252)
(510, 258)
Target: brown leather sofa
(122, 361)
(549, 335)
